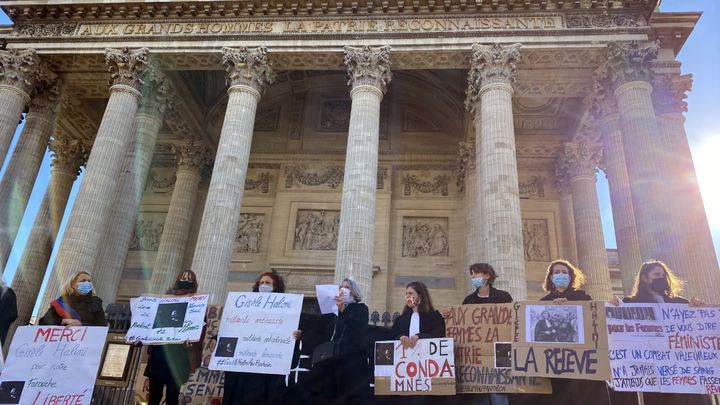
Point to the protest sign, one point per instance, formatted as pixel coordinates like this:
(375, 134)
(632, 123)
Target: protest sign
(664, 348)
(560, 340)
(426, 369)
(205, 386)
(165, 320)
(256, 333)
(326, 298)
(52, 365)
(482, 335)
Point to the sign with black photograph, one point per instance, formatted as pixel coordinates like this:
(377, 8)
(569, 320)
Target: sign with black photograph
(167, 320)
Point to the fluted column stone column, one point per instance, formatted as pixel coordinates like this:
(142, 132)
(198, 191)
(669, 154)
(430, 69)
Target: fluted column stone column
(578, 167)
(68, 156)
(19, 177)
(369, 74)
(192, 157)
(126, 202)
(604, 109)
(86, 227)
(490, 78)
(19, 72)
(467, 182)
(628, 69)
(688, 214)
(248, 74)
(569, 240)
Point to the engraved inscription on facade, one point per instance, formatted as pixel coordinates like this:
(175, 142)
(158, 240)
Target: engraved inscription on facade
(316, 229)
(425, 236)
(334, 116)
(249, 234)
(147, 235)
(536, 240)
(534, 187)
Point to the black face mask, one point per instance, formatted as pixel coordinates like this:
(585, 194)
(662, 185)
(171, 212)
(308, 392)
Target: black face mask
(185, 285)
(659, 285)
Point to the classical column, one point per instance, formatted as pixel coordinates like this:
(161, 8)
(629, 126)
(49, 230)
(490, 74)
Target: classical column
(628, 70)
(604, 110)
(19, 71)
(490, 78)
(567, 216)
(86, 228)
(688, 213)
(248, 74)
(19, 178)
(126, 202)
(577, 168)
(68, 156)
(369, 74)
(192, 157)
(467, 182)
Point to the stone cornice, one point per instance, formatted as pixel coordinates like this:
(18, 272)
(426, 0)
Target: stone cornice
(96, 10)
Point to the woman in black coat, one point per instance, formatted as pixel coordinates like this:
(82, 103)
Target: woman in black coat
(8, 310)
(77, 304)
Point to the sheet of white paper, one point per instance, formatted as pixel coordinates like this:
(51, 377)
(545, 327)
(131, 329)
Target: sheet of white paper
(326, 298)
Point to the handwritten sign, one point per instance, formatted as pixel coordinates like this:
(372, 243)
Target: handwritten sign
(256, 333)
(664, 348)
(482, 335)
(52, 365)
(165, 320)
(560, 340)
(427, 369)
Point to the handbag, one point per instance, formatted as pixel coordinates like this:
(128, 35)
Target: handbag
(324, 352)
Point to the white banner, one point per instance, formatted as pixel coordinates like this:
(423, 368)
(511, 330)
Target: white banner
(664, 348)
(256, 333)
(52, 365)
(165, 320)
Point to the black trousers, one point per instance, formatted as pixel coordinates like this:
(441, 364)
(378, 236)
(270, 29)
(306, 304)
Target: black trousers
(172, 393)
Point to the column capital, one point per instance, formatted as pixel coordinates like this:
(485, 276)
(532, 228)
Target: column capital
(68, 153)
(492, 64)
(601, 101)
(127, 67)
(46, 100)
(630, 62)
(368, 66)
(20, 69)
(248, 67)
(579, 160)
(465, 161)
(156, 95)
(670, 92)
(192, 155)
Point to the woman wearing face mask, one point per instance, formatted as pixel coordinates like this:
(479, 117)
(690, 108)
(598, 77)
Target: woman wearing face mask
(252, 388)
(77, 304)
(170, 366)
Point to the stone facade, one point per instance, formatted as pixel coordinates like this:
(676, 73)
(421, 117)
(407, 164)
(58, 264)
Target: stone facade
(385, 142)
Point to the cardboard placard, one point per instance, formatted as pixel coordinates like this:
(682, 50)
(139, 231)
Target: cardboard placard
(52, 364)
(167, 320)
(256, 333)
(426, 369)
(560, 340)
(664, 348)
(483, 335)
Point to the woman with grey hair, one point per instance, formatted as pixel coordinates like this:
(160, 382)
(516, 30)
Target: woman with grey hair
(351, 370)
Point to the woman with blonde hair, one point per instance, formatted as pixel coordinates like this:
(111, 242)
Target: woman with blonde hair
(77, 304)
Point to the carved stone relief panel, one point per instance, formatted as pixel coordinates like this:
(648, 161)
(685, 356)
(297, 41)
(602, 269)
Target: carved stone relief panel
(334, 115)
(304, 176)
(533, 187)
(425, 236)
(161, 180)
(316, 229)
(261, 178)
(267, 120)
(425, 181)
(248, 237)
(147, 234)
(297, 108)
(536, 240)
(416, 121)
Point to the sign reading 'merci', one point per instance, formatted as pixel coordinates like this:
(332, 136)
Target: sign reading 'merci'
(324, 26)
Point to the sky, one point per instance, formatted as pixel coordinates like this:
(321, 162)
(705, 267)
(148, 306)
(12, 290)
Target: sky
(700, 56)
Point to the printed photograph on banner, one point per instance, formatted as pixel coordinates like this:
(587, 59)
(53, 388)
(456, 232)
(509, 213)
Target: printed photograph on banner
(503, 352)
(170, 315)
(554, 323)
(11, 391)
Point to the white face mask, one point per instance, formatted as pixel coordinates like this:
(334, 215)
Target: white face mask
(346, 297)
(265, 288)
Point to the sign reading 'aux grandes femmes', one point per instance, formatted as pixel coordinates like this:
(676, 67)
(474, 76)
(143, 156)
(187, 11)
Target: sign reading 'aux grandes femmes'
(427, 369)
(560, 340)
(163, 320)
(664, 348)
(482, 336)
(256, 333)
(52, 365)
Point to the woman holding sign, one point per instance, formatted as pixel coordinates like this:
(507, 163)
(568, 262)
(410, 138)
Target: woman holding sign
(77, 304)
(169, 366)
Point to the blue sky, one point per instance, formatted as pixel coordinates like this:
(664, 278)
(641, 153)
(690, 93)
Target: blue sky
(700, 56)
